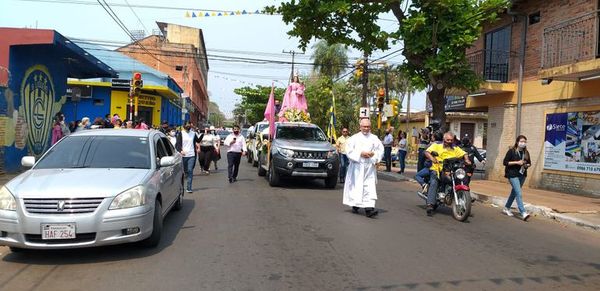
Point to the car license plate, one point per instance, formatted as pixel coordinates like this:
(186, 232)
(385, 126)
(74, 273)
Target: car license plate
(310, 165)
(58, 231)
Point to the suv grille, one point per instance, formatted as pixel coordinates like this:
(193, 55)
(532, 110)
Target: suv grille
(310, 155)
(69, 206)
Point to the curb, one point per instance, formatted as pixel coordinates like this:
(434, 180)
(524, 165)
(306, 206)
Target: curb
(499, 201)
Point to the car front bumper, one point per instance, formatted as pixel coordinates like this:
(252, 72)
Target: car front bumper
(102, 227)
(295, 167)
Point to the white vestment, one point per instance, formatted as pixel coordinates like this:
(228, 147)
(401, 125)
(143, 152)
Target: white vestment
(361, 177)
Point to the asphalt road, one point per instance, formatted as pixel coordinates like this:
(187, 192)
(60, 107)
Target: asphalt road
(249, 236)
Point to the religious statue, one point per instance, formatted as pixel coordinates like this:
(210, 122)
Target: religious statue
(294, 99)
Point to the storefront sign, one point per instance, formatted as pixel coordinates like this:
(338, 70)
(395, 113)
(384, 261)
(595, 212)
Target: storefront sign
(455, 102)
(121, 84)
(572, 142)
(147, 100)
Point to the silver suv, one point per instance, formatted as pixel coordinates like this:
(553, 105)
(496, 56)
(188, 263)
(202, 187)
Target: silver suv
(299, 150)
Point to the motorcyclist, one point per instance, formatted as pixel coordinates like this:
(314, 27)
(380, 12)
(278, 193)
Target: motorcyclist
(445, 150)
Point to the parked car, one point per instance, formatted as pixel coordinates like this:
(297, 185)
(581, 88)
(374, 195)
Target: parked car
(299, 150)
(93, 188)
(253, 140)
(223, 134)
(480, 167)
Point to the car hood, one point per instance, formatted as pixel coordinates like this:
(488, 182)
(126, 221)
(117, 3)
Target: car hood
(83, 183)
(319, 146)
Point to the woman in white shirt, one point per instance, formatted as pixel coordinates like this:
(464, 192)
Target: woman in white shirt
(207, 149)
(402, 151)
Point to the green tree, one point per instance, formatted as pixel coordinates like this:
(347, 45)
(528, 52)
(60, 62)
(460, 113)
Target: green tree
(216, 117)
(254, 102)
(435, 35)
(329, 59)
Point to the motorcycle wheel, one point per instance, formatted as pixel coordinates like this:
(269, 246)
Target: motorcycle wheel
(461, 208)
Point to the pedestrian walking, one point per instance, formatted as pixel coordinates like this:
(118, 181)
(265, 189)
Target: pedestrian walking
(57, 131)
(364, 151)
(172, 135)
(217, 152)
(207, 149)
(237, 148)
(388, 142)
(402, 151)
(186, 145)
(516, 162)
(340, 144)
(84, 124)
(473, 154)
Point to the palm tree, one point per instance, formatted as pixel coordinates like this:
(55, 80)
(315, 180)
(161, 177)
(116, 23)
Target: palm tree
(329, 60)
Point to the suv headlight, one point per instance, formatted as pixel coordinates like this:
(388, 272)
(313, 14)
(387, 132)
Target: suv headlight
(7, 200)
(460, 174)
(286, 153)
(331, 153)
(131, 198)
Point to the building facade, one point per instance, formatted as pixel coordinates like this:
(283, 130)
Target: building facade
(554, 99)
(33, 88)
(179, 52)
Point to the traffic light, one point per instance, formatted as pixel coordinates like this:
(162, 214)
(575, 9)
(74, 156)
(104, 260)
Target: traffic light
(136, 84)
(395, 107)
(360, 65)
(380, 97)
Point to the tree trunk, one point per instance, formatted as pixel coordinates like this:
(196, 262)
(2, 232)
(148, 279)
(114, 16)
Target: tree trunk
(438, 104)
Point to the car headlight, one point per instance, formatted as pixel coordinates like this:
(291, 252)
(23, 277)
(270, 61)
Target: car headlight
(331, 153)
(131, 198)
(7, 200)
(460, 174)
(286, 152)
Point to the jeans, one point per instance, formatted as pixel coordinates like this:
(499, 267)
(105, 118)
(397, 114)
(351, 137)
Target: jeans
(188, 170)
(343, 166)
(421, 160)
(516, 183)
(421, 175)
(233, 164)
(387, 156)
(434, 181)
(402, 160)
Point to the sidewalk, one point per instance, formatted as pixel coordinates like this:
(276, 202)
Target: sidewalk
(565, 208)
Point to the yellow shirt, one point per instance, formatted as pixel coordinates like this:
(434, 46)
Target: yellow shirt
(444, 153)
(341, 144)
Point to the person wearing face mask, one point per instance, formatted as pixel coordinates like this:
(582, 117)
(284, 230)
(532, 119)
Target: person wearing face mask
(444, 150)
(172, 135)
(237, 149)
(364, 151)
(207, 149)
(185, 144)
(516, 162)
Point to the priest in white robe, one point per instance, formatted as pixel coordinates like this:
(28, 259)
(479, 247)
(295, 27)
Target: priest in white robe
(364, 151)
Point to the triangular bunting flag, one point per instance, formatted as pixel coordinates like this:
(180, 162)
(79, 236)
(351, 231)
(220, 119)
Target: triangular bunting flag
(187, 14)
(219, 14)
(193, 15)
(213, 14)
(244, 12)
(225, 14)
(200, 14)
(238, 12)
(257, 12)
(232, 13)
(206, 15)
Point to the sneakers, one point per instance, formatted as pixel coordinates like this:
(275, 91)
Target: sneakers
(429, 210)
(525, 215)
(507, 212)
(189, 191)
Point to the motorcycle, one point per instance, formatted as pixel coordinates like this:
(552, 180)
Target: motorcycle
(452, 189)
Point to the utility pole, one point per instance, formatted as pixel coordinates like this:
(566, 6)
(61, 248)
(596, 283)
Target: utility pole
(365, 80)
(293, 53)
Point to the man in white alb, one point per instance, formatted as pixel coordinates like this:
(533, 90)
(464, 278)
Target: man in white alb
(237, 148)
(364, 150)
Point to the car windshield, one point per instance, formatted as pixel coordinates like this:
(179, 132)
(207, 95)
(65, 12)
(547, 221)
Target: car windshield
(262, 126)
(301, 133)
(98, 152)
(223, 133)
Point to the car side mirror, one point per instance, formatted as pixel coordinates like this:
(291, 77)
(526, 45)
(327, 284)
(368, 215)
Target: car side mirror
(167, 161)
(28, 161)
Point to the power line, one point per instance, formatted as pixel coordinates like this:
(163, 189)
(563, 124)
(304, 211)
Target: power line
(136, 16)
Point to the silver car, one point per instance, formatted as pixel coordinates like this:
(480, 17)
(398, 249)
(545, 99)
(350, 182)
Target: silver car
(93, 188)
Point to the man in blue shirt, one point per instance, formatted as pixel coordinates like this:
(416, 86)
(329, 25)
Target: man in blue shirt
(388, 142)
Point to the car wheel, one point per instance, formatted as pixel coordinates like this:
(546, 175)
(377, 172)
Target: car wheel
(255, 163)
(261, 171)
(249, 155)
(273, 176)
(331, 182)
(157, 226)
(179, 204)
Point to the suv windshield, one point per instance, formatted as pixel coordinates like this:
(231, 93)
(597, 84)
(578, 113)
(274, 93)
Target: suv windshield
(98, 152)
(301, 133)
